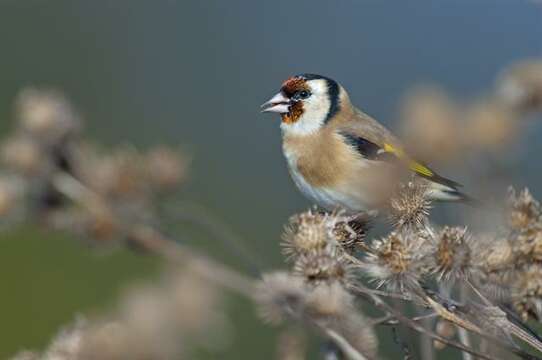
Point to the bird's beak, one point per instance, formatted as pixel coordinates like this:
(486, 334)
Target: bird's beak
(278, 104)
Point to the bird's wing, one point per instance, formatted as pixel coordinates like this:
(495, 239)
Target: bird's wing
(389, 152)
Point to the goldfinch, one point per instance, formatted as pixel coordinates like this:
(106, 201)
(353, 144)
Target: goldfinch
(340, 157)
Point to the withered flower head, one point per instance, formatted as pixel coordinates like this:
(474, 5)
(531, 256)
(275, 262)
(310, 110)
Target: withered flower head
(527, 293)
(308, 231)
(453, 253)
(527, 243)
(351, 234)
(398, 260)
(280, 296)
(524, 209)
(410, 206)
(333, 307)
(323, 266)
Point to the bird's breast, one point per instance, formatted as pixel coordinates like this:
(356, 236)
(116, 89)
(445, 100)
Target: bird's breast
(323, 178)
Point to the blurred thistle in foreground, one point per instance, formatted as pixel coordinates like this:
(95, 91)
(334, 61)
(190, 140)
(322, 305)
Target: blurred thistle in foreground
(49, 172)
(164, 321)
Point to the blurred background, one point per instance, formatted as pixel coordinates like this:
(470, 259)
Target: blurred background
(193, 74)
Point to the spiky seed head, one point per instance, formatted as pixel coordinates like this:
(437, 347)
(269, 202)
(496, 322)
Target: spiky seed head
(493, 254)
(280, 296)
(453, 253)
(328, 300)
(308, 231)
(528, 243)
(524, 209)
(410, 206)
(399, 259)
(351, 235)
(527, 293)
(323, 266)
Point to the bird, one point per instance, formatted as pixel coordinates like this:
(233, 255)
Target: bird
(341, 158)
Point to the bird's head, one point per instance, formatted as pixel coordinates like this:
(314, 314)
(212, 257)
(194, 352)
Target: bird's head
(306, 102)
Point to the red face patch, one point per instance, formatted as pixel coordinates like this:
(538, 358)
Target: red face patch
(296, 110)
(293, 85)
(289, 88)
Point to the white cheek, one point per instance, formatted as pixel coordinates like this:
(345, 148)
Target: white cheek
(315, 110)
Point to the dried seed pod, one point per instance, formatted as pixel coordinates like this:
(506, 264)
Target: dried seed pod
(524, 209)
(351, 234)
(453, 253)
(323, 266)
(308, 231)
(409, 208)
(399, 260)
(280, 296)
(527, 293)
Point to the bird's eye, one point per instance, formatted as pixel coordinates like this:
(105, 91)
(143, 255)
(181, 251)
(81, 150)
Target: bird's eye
(303, 94)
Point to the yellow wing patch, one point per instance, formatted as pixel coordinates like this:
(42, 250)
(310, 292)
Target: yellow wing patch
(412, 165)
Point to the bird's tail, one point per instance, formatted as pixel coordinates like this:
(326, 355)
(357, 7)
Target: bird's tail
(445, 192)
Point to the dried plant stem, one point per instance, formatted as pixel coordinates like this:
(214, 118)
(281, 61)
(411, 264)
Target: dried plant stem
(382, 305)
(153, 241)
(390, 319)
(199, 216)
(462, 333)
(467, 325)
(426, 343)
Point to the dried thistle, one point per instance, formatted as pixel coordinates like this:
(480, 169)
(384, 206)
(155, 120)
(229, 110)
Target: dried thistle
(323, 266)
(409, 208)
(332, 307)
(328, 307)
(280, 296)
(527, 293)
(398, 260)
(528, 243)
(351, 234)
(308, 231)
(524, 209)
(453, 253)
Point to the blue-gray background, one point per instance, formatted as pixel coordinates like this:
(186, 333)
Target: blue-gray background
(194, 73)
